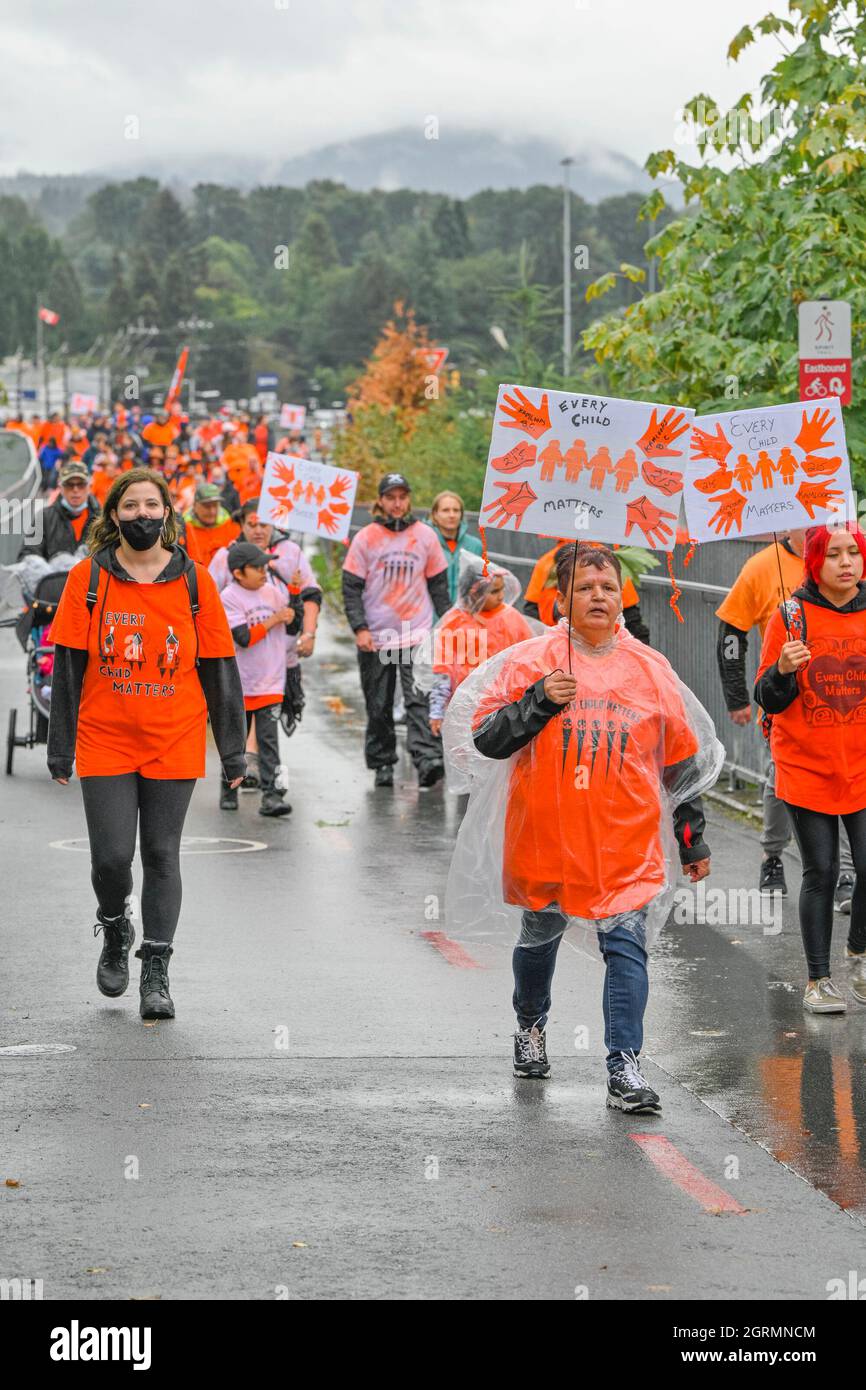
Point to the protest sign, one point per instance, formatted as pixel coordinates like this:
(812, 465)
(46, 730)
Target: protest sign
(293, 417)
(300, 495)
(82, 404)
(769, 468)
(607, 469)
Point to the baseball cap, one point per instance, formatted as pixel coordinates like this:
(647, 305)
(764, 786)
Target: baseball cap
(245, 553)
(208, 492)
(393, 480)
(72, 468)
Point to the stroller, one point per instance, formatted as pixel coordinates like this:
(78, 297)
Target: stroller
(30, 628)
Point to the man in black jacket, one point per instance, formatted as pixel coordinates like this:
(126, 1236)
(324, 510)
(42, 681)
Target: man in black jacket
(395, 583)
(66, 522)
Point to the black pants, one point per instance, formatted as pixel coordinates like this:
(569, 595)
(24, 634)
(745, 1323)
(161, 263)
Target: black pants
(817, 835)
(267, 734)
(378, 682)
(114, 807)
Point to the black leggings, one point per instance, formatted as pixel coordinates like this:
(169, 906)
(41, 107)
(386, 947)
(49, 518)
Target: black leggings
(818, 837)
(113, 807)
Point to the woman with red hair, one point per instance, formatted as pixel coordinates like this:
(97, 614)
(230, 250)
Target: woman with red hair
(812, 681)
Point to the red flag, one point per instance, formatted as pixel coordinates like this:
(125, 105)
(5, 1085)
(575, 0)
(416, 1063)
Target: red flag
(48, 316)
(177, 379)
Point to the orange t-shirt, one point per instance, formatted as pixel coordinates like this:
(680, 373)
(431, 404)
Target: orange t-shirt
(160, 436)
(541, 589)
(100, 483)
(819, 741)
(203, 542)
(142, 705)
(79, 522)
(583, 818)
(463, 640)
(756, 593)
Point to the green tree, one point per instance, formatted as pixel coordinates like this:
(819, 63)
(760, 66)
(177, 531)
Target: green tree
(315, 248)
(780, 218)
(165, 229)
(118, 305)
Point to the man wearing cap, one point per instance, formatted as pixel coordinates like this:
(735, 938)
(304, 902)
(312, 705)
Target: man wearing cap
(66, 522)
(261, 617)
(395, 584)
(208, 526)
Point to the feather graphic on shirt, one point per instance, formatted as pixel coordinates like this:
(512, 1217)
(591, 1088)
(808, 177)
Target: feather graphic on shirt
(581, 735)
(611, 734)
(566, 739)
(108, 645)
(136, 652)
(596, 734)
(623, 740)
(167, 659)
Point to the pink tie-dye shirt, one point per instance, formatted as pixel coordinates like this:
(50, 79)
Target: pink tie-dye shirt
(395, 567)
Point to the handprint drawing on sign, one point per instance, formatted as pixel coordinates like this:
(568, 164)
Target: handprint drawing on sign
(625, 471)
(811, 436)
(744, 473)
(648, 518)
(665, 479)
(575, 460)
(710, 446)
(659, 435)
(814, 465)
(551, 459)
(514, 501)
(721, 478)
(812, 495)
(521, 456)
(601, 464)
(521, 414)
(730, 512)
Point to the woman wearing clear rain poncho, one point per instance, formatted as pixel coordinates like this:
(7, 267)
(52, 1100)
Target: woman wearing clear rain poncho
(585, 769)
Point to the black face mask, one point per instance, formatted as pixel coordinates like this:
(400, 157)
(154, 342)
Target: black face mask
(142, 532)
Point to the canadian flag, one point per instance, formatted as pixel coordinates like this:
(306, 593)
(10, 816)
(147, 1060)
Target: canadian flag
(48, 315)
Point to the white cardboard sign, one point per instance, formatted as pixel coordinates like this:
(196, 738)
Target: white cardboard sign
(301, 495)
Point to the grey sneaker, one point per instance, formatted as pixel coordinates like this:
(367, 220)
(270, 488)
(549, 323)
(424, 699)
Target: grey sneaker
(857, 975)
(844, 893)
(530, 1054)
(823, 997)
(629, 1090)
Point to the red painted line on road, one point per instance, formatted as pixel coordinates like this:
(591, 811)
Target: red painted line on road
(668, 1159)
(451, 950)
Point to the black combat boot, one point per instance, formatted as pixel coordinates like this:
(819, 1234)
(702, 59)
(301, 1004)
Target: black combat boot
(156, 1001)
(112, 972)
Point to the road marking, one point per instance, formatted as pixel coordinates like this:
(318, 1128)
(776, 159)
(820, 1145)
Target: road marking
(190, 844)
(684, 1175)
(451, 950)
(35, 1049)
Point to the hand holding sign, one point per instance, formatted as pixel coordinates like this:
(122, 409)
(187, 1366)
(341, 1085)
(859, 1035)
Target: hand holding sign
(817, 495)
(648, 518)
(710, 446)
(730, 512)
(812, 431)
(532, 419)
(513, 503)
(660, 434)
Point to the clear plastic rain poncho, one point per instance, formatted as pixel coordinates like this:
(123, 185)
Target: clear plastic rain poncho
(582, 815)
(467, 634)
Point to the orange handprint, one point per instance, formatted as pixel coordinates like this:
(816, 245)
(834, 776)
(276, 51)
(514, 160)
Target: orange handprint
(813, 465)
(812, 431)
(551, 459)
(660, 434)
(285, 472)
(710, 446)
(327, 522)
(521, 456)
(575, 460)
(662, 478)
(714, 482)
(813, 495)
(340, 486)
(648, 518)
(744, 472)
(787, 466)
(515, 498)
(765, 468)
(532, 419)
(601, 464)
(730, 512)
(625, 471)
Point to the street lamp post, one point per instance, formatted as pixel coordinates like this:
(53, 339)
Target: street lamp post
(566, 267)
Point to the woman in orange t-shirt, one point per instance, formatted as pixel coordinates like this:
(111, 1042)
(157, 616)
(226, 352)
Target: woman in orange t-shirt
(143, 654)
(815, 690)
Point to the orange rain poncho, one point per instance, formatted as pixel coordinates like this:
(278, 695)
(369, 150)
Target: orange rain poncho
(583, 814)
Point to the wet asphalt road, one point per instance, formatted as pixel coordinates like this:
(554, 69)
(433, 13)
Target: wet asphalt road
(332, 1113)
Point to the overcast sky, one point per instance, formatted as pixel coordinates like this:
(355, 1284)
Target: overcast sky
(274, 78)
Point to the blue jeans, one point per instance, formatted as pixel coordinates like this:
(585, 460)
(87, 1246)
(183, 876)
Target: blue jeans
(626, 984)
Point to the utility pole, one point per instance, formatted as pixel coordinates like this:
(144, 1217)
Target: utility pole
(566, 268)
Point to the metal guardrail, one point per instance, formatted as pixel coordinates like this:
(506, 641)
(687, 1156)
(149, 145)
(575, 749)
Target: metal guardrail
(690, 646)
